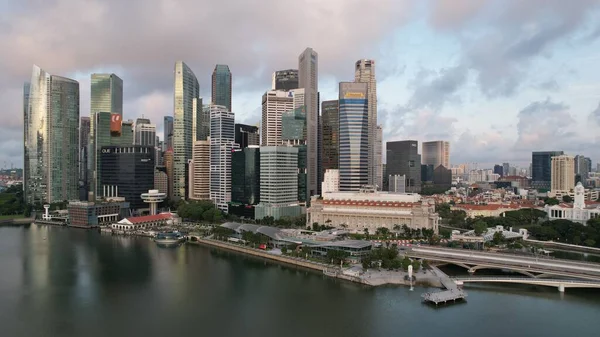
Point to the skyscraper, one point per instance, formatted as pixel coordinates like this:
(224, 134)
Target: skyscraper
(364, 72)
(274, 104)
(168, 132)
(293, 133)
(541, 168)
(186, 93)
(436, 153)
(378, 157)
(222, 142)
(84, 138)
(403, 159)
(330, 119)
(221, 86)
(200, 171)
(308, 78)
(285, 80)
(562, 173)
(245, 176)
(51, 138)
(583, 167)
(505, 169)
(354, 136)
(145, 133)
(246, 135)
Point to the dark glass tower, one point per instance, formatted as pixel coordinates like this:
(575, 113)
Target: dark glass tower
(541, 168)
(221, 86)
(246, 135)
(330, 116)
(403, 158)
(285, 79)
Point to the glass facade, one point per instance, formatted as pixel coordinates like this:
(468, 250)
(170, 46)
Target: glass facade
(130, 169)
(221, 86)
(308, 78)
(541, 167)
(245, 176)
(246, 135)
(403, 158)
(168, 132)
(51, 138)
(285, 79)
(330, 119)
(293, 132)
(222, 142)
(354, 136)
(186, 92)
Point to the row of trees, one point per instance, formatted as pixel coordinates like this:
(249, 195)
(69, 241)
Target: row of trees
(11, 201)
(566, 231)
(387, 258)
(517, 218)
(199, 211)
(284, 221)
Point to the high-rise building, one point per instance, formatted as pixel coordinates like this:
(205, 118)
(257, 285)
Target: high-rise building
(186, 101)
(168, 132)
(353, 136)
(403, 158)
(127, 172)
(364, 72)
(246, 135)
(51, 138)
(541, 168)
(274, 104)
(245, 176)
(145, 133)
(222, 142)
(199, 121)
(397, 183)
(562, 173)
(583, 167)
(331, 181)
(168, 159)
(161, 179)
(84, 138)
(498, 169)
(285, 80)
(330, 119)
(378, 166)
(308, 78)
(204, 125)
(436, 153)
(221, 86)
(200, 171)
(505, 169)
(293, 133)
(278, 182)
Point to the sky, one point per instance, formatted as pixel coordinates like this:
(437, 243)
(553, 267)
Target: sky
(496, 78)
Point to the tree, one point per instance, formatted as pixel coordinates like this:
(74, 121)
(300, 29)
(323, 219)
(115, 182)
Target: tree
(383, 231)
(366, 230)
(337, 256)
(498, 238)
(284, 250)
(551, 201)
(480, 227)
(567, 198)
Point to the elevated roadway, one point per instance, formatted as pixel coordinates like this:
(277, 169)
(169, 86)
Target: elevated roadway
(561, 284)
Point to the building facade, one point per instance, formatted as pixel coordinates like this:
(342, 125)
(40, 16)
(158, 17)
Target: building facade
(246, 135)
(169, 170)
(127, 172)
(185, 108)
(221, 86)
(579, 211)
(145, 133)
(308, 78)
(85, 214)
(541, 168)
(200, 171)
(331, 181)
(354, 136)
(168, 132)
(369, 210)
(403, 158)
(84, 139)
(436, 153)
(222, 142)
(285, 80)
(161, 180)
(330, 121)
(397, 183)
(583, 167)
(245, 177)
(562, 175)
(274, 104)
(51, 138)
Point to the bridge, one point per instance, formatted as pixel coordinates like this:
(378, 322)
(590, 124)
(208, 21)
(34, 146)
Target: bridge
(561, 284)
(533, 267)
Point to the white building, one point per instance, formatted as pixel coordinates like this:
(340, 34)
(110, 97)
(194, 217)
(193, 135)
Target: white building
(222, 142)
(199, 172)
(145, 133)
(562, 174)
(579, 211)
(331, 181)
(370, 210)
(274, 104)
(397, 183)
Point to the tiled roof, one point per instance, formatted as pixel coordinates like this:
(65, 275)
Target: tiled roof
(489, 207)
(150, 218)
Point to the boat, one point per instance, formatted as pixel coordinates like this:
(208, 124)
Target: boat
(169, 238)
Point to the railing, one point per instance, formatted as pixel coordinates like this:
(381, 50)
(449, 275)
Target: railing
(521, 279)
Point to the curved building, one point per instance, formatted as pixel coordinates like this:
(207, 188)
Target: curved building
(51, 138)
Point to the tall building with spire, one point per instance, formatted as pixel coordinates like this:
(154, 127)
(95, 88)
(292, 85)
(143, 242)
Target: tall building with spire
(308, 79)
(364, 72)
(221, 86)
(51, 138)
(186, 95)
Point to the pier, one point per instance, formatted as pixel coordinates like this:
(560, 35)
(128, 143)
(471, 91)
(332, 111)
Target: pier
(452, 292)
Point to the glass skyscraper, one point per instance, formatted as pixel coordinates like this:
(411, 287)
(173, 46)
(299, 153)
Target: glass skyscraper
(51, 138)
(222, 142)
(221, 86)
(354, 136)
(330, 119)
(168, 132)
(308, 78)
(185, 99)
(293, 132)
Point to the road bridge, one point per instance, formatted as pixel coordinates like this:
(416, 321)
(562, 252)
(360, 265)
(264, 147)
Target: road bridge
(561, 284)
(530, 266)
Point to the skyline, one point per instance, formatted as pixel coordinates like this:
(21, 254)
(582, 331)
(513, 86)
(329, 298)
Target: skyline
(440, 76)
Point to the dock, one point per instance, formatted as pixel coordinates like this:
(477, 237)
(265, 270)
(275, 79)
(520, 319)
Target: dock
(452, 292)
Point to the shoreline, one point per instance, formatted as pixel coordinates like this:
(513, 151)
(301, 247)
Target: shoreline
(371, 278)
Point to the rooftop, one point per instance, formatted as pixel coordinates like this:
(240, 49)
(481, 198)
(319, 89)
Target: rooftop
(150, 218)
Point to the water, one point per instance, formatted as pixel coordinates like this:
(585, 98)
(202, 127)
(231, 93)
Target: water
(65, 282)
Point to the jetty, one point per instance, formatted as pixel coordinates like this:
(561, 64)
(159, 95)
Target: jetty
(451, 294)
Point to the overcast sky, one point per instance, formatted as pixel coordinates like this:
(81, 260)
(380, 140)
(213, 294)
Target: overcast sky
(497, 78)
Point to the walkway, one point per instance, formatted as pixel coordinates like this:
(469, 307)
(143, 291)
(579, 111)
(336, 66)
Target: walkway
(452, 292)
(561, 284)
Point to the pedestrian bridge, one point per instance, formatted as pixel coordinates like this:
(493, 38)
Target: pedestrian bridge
(534, 267)
(561, 284)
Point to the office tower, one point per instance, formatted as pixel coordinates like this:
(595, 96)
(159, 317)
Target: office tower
(51, 138)
(186, 95)
(246, 135)
(498, 169)
(204, 124)
(275, 103)
(505, 169)
(222, 142)
(285, 80)
(330, 119)
(84, 138)
(127, 133)
(331, 181)
(442, 177)
(145, 132)
(308, 78)
(320, 171)
(397, 183)
(161, 179)
(403, 159)
(354, 136)
(293, 133)
(245, 176)
(364, 72)
(583, 167)
(378, 166)
(199, 122)
(426, 173)
(127, 172)
(221, 86)
(169, 169)
(562, 173)
(168, 132)
(436, 153)
(541, 168)
(200, 171)
(278, 182)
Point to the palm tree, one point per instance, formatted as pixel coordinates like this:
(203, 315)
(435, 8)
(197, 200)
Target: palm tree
(396, 229)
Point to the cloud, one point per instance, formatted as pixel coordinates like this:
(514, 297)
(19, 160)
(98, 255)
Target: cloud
(595, 115)
(435, 92)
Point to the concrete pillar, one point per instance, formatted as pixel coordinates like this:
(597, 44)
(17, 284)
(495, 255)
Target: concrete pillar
(561, 288)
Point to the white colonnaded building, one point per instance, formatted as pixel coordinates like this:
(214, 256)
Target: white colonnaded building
(579, 211)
